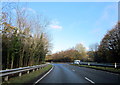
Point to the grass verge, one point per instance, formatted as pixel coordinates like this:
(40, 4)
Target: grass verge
(25, 78)
(101, 68)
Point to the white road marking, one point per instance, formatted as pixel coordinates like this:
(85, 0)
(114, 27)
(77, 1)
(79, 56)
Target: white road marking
(89, 80)
(44, 76)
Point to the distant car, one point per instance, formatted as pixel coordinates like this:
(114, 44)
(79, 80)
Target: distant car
(76, 61)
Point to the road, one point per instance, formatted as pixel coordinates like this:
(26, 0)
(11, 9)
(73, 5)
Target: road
(65, 73)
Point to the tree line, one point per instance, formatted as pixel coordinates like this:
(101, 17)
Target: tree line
(109, 48)
(108, 51)
(76, 53)
(24, 39)
(64, 56)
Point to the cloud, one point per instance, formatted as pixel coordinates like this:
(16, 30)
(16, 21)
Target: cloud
(55, 24)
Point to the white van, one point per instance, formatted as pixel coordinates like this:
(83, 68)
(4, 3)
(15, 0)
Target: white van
(76, 61)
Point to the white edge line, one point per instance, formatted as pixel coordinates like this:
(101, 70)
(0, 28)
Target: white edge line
(44, 76)
(89, 80)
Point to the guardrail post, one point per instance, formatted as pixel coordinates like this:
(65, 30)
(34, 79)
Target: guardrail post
(33, 70)
(20, 74)
(6, 78)
(37, 68)
(28, 72)
(115, 65)
(89, 64)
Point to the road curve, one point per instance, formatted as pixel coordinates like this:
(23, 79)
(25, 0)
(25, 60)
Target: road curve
(65, 73)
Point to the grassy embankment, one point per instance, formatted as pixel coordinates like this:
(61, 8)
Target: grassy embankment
(101, 68)
(27, 77)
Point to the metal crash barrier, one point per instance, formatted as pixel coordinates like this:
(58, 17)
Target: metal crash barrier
(5, 74)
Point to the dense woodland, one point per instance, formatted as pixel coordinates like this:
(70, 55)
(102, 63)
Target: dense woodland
(24, 39)
(108, 51)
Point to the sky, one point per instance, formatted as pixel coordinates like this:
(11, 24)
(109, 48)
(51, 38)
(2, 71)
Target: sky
(76, 22)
